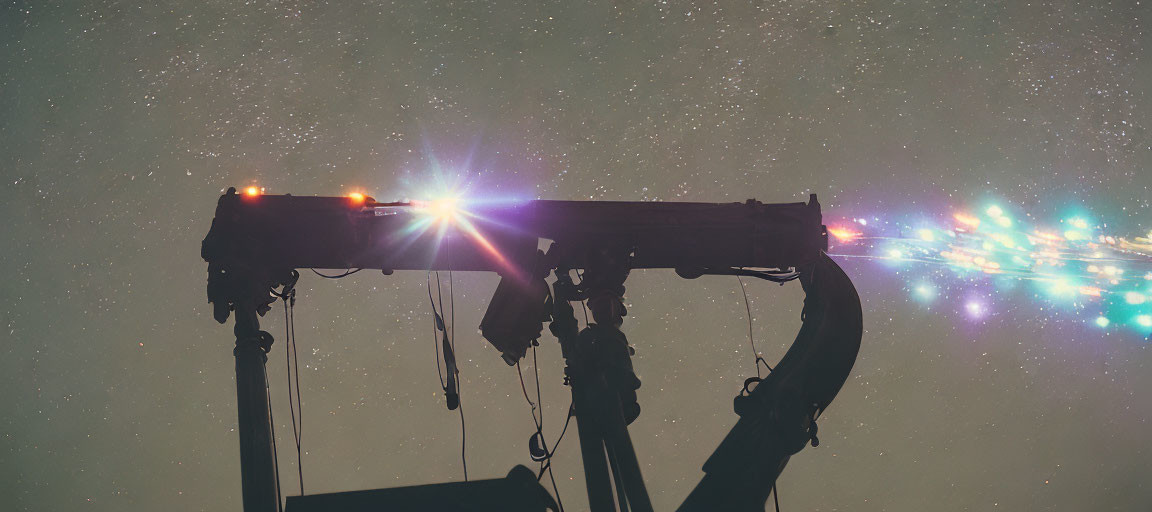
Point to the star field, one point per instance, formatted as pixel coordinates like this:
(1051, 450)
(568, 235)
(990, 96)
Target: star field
(122, 122)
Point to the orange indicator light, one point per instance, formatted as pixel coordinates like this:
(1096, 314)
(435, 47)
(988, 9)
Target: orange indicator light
(843, 234)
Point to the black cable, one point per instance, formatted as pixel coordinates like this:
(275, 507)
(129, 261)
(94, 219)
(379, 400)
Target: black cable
(546, 461)
(298, 418)
(290, 355)
(751, 339)
(440, 298)
(272, 425)
(555, 489)
(563, 430)
(437, 322)
(338, 276)
(449, 332)
(558, 439)
(540, 429)
(776, 276)
(463, 441)
(776, 497)
(452, 304)
(524, 390)
(452, 342)
(546, 465)
(539, 400)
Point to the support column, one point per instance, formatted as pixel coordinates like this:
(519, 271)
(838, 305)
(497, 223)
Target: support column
(257, 459)
(603, 384)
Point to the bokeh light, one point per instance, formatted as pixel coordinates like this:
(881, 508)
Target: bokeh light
(1069, 266)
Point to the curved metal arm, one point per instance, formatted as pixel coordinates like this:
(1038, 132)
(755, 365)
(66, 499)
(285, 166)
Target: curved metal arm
(778, 417)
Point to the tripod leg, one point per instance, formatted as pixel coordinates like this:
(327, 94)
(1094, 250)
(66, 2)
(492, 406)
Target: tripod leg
(616, 436)
(595, 465)
(621, 496)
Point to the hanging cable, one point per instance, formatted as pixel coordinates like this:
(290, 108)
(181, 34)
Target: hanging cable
(555, 489)
(450, 383)
(337, 276)
(776, 276)
(272, 425)
(298, 419)
(463, 442)
(536, 376)
(449, 379)
(540, 429)
(751, 339)
(524, 390)
(452, 342)
(437, 327)
(537, 445)
(558, 439)
(292, 366)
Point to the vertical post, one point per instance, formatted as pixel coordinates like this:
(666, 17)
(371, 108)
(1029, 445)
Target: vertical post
(257, 459)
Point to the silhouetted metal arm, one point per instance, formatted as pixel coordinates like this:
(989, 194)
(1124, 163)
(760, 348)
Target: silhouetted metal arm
(778, 417)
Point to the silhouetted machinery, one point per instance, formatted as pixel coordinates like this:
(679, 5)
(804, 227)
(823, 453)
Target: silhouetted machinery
(258, 241)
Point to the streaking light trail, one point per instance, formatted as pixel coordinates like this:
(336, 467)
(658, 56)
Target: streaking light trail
(1071, 264)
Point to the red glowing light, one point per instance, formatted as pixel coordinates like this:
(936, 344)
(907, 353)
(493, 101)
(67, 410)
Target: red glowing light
(252, 191)
(843, 234)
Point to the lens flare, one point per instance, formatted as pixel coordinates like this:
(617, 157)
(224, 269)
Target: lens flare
(445, 209)
(451, 217)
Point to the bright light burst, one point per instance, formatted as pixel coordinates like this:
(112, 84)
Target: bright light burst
(1069, 265)
(444, 209)
(451, 211)
(450, 215)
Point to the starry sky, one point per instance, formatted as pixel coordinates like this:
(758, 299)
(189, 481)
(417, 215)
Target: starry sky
(121, 122)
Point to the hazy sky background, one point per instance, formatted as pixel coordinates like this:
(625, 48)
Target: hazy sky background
(121, 123)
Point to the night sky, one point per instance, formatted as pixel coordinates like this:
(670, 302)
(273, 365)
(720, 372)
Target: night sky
(120, 125)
